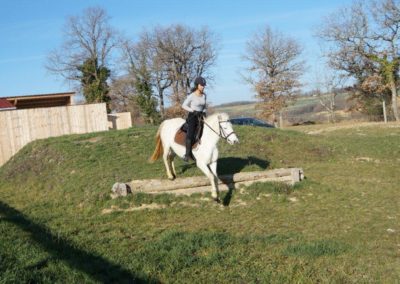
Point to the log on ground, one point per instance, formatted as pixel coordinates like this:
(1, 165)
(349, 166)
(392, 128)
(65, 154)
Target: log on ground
(196, 184)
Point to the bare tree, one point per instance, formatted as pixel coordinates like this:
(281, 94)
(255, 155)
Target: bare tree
(143, 60)
(365, 43)
(184, 53)
(88, 38)
(274, 70)
(123, 94)
(328, 88)
(173, 56)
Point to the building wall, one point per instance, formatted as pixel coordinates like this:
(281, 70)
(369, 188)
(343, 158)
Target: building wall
(120, 120)
(19, 127)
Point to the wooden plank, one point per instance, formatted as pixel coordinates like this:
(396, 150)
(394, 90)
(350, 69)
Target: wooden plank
(98, 120)
(291, 176)
(221, 187)
(5, 143)
(10, 134)
(19, 127)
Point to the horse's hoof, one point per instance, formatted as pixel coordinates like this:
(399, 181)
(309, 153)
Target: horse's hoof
(216, 199)
(171, 178)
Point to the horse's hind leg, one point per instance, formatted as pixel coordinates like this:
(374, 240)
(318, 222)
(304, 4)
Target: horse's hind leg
(167, 162)
(171, 161)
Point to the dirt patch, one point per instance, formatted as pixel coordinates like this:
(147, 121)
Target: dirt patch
(367, 159)
(90, 140)
(151, 206)
(35, 162)
(238, 203)
(185, 204)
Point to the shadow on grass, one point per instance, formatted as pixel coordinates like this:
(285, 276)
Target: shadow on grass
(60, 248)
(188, 166)
(233, 165)
(230, 166)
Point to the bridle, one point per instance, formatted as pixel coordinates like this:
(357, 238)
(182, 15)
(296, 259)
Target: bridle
(221, 132)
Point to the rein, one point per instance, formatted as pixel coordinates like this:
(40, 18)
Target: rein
(221, 133)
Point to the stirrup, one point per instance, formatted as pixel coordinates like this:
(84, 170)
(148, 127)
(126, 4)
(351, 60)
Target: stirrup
(189, 157)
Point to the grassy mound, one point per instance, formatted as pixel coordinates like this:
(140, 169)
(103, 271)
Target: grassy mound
(58, 223)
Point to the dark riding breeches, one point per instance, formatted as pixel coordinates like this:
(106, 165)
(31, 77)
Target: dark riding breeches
(193, 123)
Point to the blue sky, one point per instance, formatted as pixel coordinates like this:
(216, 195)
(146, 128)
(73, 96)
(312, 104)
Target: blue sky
(29, 29)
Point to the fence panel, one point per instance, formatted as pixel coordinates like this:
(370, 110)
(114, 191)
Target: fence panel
(120, 120)
(19, 127)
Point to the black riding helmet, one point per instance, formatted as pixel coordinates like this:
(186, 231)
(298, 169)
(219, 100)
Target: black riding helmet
(200, 81)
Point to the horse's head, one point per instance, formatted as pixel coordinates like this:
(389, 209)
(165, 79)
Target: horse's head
(223, 126)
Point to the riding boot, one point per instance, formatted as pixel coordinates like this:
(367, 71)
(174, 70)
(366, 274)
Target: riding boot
(189, 154)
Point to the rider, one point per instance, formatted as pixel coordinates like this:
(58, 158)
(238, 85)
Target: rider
(195, 104)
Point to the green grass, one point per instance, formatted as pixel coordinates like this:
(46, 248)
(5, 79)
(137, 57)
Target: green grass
(339, 225)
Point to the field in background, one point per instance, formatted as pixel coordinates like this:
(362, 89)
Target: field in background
(340, 225)
(303, 110)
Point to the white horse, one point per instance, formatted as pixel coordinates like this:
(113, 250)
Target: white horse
(215, 126)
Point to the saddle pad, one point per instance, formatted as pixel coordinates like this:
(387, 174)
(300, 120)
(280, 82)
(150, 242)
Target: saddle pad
(180, 138)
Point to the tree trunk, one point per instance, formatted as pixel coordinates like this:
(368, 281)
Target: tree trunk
(384, 111)
(161, 96)
(394, 100)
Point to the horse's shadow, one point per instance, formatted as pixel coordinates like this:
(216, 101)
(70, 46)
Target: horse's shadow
(229, 166)
(233, 165)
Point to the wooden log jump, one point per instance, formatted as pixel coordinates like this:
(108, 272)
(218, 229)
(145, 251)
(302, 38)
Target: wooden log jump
(189, 185)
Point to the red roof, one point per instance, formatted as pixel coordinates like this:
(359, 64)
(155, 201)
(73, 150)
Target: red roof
(6, 104)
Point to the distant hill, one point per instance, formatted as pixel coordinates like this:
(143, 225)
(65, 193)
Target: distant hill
(237, 109)
(304, 108)
(234, 104)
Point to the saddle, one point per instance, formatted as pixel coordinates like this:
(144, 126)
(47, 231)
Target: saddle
(180, 136)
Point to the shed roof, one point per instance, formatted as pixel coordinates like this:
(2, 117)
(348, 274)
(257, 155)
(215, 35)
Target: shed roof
(4, 104)
(38, 96)
(42, 100)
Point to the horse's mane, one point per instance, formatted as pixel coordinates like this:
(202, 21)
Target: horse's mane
(223, 115)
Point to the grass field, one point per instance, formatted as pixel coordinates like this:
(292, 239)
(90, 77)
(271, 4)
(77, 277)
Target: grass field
(340, 225)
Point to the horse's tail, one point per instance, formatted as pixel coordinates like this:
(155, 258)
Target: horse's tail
(159, 147)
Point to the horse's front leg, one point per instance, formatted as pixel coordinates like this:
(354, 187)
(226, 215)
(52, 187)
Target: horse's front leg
(215, 192)
(213, 168)
(213, 164)
(213, 179)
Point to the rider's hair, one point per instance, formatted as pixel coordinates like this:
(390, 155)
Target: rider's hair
(194, 88)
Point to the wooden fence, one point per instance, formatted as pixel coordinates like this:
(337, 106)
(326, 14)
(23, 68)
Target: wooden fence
(19, 127)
